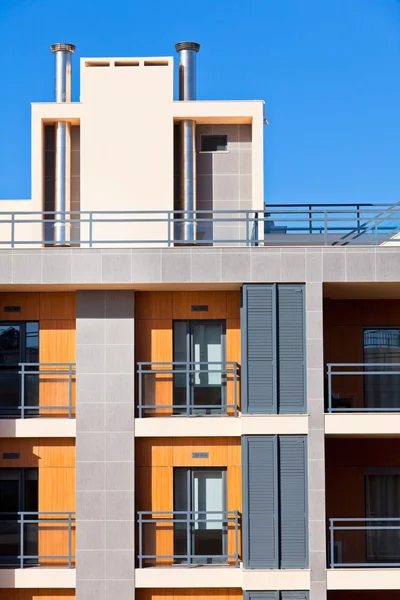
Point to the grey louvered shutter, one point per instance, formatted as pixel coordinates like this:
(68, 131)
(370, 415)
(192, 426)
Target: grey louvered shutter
(291, 349)
(261, 595)
(259, 349)
(293, 502)
(294, 595)
(260, 521)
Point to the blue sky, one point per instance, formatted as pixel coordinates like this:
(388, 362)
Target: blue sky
(329, 71)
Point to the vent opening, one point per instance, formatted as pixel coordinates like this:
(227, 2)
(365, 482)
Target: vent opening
(126, 63)
(156, 63)
(97, 63)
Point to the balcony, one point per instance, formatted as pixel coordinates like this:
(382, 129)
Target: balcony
(188, 388)
(346, 224)
(188, 538)
(363, 387)
(37, 539)
(35, 390)
(357, 543)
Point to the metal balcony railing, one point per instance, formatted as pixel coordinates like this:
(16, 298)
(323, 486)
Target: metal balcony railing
(37, 539)
(188, 388)
(38, 390)
(193, 537)
(284, 224)
(364, 542)
(362, 387)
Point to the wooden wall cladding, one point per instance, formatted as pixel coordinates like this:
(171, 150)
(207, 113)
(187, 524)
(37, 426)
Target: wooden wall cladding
(55, 459)
(190, 594)
(344, 321)
(36, 306)
(155, 461)
(155, 313)
(40, 594)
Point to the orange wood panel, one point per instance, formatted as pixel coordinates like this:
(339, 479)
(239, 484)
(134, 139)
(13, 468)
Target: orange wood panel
(233, 305)
(56, 494)
(156, 452)
(153, 305)
(183, 301)
(234, 447)
(57, 305)
(190, 594)
(57, 345)
(156, 485)
(234, 502)
(28, 449)
(29, 303)
(36, 594)
(233, 355)
(183, 447)
(56, 452)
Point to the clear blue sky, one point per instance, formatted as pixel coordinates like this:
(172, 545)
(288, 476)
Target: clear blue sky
(329, 71)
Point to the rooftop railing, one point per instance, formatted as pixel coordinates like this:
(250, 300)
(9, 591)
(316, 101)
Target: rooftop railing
(188, 538)
(340, 224)
(188, 388)
(364, 542)
(38, 390)
(30, 539)
(362, 387)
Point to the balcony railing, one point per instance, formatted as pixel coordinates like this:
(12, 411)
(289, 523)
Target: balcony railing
(364, 542)
(276, 224)
(38, 390)
(30, 539)
(188, 388)
(362, 387)
(192, 537)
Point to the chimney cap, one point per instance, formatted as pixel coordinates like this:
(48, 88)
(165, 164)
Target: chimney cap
(62, 48)
(187, 46)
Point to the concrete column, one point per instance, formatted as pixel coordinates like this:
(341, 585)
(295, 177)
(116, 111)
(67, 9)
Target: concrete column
(105, 445)
(316, 441)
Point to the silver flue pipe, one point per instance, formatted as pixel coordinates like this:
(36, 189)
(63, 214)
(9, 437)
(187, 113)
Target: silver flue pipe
(63, 93)
(187, 91)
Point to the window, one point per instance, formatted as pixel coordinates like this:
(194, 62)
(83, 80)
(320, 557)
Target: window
(214, 143)
(382, 490)
(382, 346)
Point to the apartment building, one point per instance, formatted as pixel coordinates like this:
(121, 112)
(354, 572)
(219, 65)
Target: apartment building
(199, 394)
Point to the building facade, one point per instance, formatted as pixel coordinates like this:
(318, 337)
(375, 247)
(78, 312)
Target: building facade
(199, 394)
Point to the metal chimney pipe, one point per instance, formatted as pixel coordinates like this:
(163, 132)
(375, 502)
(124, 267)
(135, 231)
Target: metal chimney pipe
(187, 91)
(63, 87)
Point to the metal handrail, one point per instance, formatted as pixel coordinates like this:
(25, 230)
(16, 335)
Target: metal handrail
(189, 518)
(23, 518)
(37, 369)
(347, 223)
(362, 366)
(366, 527)
(188, 369)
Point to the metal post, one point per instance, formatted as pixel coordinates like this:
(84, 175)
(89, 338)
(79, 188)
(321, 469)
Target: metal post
(90, 229)
(12, 230)
(310, 218)
(329, 388)
(325, 228)
(22, 391)
(188, 538)
(70, 391)
(235, 389)
(332, 543)
(247, 228)
(169, 228)
(21, 541)
(69, 541)
(188, 403)
(140, 390)
(236, 538)
(358, 218)
(140, 541)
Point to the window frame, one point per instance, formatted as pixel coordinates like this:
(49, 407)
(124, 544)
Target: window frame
(209, 135)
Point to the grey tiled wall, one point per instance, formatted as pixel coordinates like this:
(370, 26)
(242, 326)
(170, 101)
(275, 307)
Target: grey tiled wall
(105, 445)
(316, 440)
(224, 180)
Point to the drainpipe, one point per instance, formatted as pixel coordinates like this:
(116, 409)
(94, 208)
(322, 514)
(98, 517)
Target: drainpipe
(187, 91)
(63, 54)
